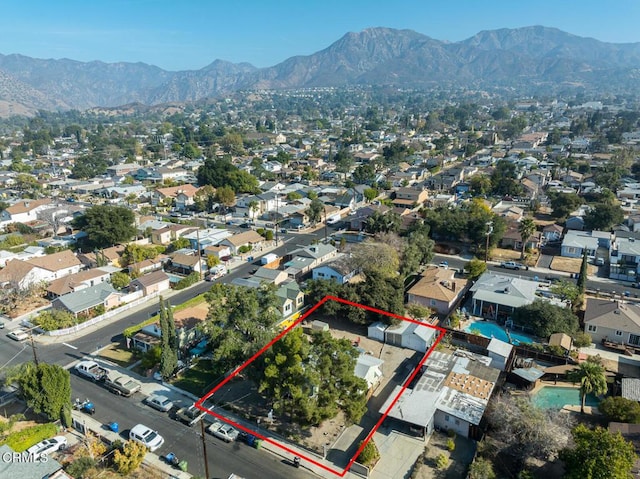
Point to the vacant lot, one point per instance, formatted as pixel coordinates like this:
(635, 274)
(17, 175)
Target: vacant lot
(570, 265)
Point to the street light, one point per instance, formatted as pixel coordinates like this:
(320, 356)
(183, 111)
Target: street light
(489, 225)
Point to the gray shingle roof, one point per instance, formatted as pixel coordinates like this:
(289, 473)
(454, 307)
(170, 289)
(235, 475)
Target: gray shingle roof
(85, 298)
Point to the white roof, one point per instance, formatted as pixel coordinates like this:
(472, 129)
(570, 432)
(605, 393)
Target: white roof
(499, 347)
(505, 290)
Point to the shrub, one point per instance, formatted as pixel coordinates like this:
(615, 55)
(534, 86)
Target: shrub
(481, 469)
(130, 457)
(55, 319)
(620, 409)
(151, 358)
(369, 454)
(442, 461)
(187, 281)
(451, 445)
(80, 466)
(582, 339)
(245, 249)
(22, 440)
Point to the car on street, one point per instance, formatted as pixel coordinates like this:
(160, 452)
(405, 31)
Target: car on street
(513, 265)
(444, 264)
(47, 447)
(223, 431)
(2, 325)
(18, 334)
(161, 403)
(190, 415)
(146, 436)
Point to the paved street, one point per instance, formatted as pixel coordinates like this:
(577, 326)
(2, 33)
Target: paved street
(182, 440)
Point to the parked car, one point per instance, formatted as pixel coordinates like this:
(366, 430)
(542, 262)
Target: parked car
(189, 415)
(47, 447)
(223, 431)
(513, 265)
(161, 403)
(146, 436)
(18, 334)
(444, 264)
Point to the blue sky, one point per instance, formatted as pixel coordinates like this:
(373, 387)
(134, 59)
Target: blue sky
(190, 34)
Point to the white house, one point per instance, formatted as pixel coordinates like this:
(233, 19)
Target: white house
(368, 368)
(23, 211)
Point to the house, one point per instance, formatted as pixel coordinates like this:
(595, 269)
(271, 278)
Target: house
(451, 393)
(552, 232)
(291, 300)
(415, 335)
(76, 282)
(148, 265)
(624, 259)
(513, 239)
(218, 251)
(410, 197)
(188, 332)
(368, 368)
(270, 275)
(303, 260)
(106, 256)
(169, 233)
(359, 221)
(88, 299)
(575, 242)
(182, 196)
(495, 296)
(150, 283)
(15, 464)
(574, 223)
(438, 289)
(23, 211)
(613, 321)
(188, 263)
(338, 270)
(23, 274)
(248, 240)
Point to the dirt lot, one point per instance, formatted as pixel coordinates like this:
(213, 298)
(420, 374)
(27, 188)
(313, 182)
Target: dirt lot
(458, 459)
(570, 265)
(505, 254)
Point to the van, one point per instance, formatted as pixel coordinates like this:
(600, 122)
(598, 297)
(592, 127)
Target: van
(146, 436)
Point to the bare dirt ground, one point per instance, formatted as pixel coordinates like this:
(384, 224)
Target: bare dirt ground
(458, 459)
(199, 311)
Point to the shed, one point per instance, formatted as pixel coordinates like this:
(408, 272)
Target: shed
(376, 331)
(319, 326)
(561, 339)
(499, 352)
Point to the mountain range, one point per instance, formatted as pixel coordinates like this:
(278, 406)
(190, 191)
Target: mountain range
(526, 58)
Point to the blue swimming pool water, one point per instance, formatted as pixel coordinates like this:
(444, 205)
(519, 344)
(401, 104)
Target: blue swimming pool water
(489, 329)
(550, 397)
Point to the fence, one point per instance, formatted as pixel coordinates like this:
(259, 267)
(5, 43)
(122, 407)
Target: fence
(102, 317)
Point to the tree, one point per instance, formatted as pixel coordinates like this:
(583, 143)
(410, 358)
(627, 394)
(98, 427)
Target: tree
(315, 210)
(476, 267)
(504, 179)
(221, 172)
(205, 198)
(566, 291)
(169, 357)
(225, 196)
(130, 457)
(370, 194)
(545, 318)
(383, 222)
(417, 311)
(106, 225)
(254, 207)
(364, 175)
(480, 184)
(562, 204)
(53, 319)
(369, 454)
(603, 216)
(294, 195)
(597, 454)
(581, 283)
(620, 409)
(590, 375)
(120, 280)
(526, 430)
(46, 388)
(526, 228)
(212, 260)
(375, 257)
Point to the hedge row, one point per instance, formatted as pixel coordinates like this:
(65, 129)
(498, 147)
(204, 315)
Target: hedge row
(187, 281)
(22, 440)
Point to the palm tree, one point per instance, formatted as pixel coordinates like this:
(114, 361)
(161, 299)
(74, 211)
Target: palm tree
(592, 379)
(253, 208)
(526, 228)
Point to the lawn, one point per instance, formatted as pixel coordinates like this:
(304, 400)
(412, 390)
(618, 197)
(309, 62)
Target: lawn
(119, 354)
(197, 378)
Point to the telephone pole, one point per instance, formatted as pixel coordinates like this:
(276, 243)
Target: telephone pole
(204, 450)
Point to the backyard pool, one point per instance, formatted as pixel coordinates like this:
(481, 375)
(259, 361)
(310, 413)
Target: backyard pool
(557, 397)
(493, 330)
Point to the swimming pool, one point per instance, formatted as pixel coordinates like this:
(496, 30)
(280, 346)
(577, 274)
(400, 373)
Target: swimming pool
(489, 329)
(557, 397)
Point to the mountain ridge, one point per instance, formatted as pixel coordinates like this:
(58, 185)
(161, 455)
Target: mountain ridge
(519, 57)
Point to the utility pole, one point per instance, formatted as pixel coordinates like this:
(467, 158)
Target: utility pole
(324, 207)
(199, 255)
(204, 450)
(488, 233)
(33, 348)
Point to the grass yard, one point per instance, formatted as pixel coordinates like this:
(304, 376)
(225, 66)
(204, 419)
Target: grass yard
(570, 265)
(197, 378)
(119, 354)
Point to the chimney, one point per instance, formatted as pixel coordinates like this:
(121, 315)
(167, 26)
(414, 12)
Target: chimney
(453, 286)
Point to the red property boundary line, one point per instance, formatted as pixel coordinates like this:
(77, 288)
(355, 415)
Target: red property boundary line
(341, 473)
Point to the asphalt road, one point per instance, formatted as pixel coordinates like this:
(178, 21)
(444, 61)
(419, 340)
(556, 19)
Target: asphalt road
(183, 441)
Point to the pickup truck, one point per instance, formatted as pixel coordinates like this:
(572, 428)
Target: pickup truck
(189, 415)
(513, 265)
(91, 370)
(120, 384)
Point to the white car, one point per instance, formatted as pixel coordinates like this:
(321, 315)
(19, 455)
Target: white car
(48, 446)
(146, 436)
(18, 334)
(161, 403)
(223, 431)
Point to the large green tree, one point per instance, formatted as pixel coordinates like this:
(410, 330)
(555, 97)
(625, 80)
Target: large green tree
(106, 225)
(619, 409)
(591, 376)
(46, 388)
(221, 172)
(603, 216)
(545, 318)
(169, 357)
(315, 210)
(598, 454)
(562, 204)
